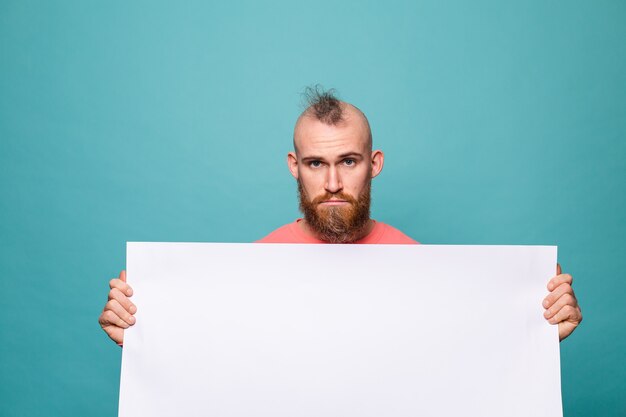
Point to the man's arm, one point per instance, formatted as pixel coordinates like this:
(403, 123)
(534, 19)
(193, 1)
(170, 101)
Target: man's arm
(561, 305)
(118, 311)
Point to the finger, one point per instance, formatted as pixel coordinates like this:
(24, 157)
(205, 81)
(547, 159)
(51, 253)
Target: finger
(558, 280)
(115, 333)
(567, 313)
(123, 275)
(558, 269)
(121, 312)
(122, 286)
(109, 318)
(566, 328)
(556, 294)
(117, 295)
(564, 300)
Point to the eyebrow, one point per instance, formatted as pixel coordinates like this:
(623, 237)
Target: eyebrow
(342, 156)
(352, 154)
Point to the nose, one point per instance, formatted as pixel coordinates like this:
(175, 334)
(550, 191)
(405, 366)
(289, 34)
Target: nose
(333, 181)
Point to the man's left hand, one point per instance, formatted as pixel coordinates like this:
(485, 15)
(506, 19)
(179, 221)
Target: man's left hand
(561, 304)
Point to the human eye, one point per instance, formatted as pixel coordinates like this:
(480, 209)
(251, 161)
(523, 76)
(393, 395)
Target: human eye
(315, 164)
(349, 162)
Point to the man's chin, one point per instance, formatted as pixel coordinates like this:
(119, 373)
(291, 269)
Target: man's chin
(334, 214)
(324, 208)
(337, 218)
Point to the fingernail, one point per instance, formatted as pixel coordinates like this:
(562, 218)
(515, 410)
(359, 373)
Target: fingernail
(133, 309)
(550, 286)
(131, 319)
(129, 291)
(545, 303)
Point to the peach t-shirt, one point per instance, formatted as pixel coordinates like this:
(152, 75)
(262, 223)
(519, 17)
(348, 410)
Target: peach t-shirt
(381, 234)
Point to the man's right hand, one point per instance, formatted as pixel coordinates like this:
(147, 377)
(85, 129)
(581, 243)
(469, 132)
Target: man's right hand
(118, 311)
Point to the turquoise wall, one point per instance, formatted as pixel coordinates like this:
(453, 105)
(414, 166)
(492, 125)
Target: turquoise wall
(502, 123)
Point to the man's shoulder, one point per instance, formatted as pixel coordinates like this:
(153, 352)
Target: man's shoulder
(284, 234)
(386, 234)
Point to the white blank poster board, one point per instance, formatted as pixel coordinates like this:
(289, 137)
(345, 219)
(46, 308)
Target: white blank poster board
(277, 330)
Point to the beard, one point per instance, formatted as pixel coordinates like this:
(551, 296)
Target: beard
(336, 224)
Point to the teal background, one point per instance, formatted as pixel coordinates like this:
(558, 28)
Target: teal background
(502, 123)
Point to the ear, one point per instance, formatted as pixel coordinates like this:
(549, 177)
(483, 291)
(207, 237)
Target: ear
(292, 163)
(378, 160)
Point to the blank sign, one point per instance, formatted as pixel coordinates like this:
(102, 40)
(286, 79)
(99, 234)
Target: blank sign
(279, 330)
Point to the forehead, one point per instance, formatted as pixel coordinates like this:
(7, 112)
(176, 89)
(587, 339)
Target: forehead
(313, 137)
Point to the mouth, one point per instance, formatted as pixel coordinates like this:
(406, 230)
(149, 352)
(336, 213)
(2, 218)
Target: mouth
(333, 202)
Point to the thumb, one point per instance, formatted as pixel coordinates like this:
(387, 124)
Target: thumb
(558, 271)
(123, 275)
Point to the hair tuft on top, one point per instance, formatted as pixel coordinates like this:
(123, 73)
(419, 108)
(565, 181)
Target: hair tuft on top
(324, 105)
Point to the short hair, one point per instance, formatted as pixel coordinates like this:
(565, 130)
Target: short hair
(323, 105)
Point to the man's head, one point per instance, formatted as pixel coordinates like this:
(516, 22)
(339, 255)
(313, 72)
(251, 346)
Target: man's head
(334, 164)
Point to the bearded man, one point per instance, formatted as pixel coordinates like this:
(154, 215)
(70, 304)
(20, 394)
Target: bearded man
(333, 163)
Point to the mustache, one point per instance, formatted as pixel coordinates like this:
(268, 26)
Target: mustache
(337, 196)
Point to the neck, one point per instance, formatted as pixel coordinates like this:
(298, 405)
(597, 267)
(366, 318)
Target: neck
(360, 234)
